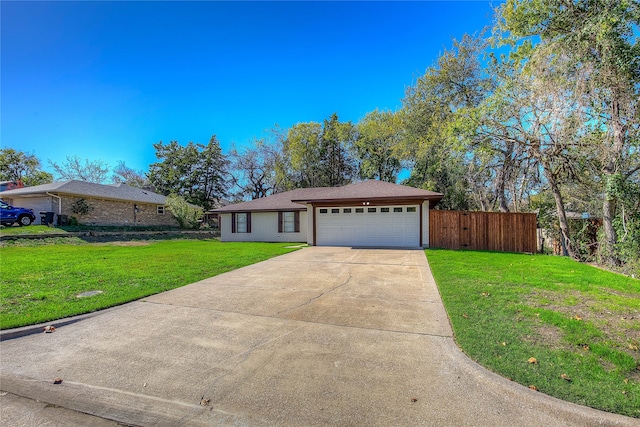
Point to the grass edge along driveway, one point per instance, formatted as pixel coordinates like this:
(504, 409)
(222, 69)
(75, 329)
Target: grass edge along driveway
(41, 283)
(563, 328)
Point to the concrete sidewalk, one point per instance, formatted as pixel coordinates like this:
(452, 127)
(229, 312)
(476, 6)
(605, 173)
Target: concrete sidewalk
(320, 336)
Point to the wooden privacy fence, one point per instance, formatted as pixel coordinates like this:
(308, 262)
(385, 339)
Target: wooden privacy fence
(493, 231)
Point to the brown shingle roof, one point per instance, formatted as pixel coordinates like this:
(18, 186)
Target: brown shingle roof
(89, 189)
(366, 190)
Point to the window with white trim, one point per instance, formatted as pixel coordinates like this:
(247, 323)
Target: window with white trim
(160, 210)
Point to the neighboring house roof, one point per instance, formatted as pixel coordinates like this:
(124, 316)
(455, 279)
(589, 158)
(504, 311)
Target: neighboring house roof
(369, 190)
(89, 189)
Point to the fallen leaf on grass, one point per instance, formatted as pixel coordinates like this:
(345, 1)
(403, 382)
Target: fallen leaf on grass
(485, 294)
(532, 360)
(565, 377)
(626, 380)
(633, 347)
(465, 315)
(534, 388)
(578, 318)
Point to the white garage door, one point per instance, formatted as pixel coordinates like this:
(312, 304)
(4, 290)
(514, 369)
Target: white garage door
(397, 226)
(36, 203)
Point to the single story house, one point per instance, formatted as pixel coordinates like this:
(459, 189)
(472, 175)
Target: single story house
(369, 213)
(93, 204)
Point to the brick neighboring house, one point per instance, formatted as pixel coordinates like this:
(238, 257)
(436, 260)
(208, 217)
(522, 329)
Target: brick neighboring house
(116, 204)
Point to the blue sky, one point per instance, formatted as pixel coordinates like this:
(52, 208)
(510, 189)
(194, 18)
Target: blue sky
(106, 80)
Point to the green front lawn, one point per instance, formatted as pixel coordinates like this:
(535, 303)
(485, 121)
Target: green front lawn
(31, 229)
(564, 328)
(41, 283)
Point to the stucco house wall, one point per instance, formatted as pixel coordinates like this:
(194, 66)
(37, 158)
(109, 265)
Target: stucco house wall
(264, 228)
(425, 224)
(309, 224)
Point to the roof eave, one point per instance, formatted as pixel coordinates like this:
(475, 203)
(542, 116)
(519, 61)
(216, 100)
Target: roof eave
(437, 197)
(66, 193)
(281, 209)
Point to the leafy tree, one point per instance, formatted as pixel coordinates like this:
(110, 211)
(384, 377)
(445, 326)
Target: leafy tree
(196, 172)
(187, 215)
(600, 38)
(379, 135)
(95, 171)
(254, 170)
(122, 174)
(317, 155)
(301, 156)
(19, 166)
(336, 162)
(542, 118)
(437, 138)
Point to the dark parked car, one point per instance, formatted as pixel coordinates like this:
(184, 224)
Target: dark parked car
(10, 215)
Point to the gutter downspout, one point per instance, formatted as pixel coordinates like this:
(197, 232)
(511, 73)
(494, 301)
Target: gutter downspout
(59, 202)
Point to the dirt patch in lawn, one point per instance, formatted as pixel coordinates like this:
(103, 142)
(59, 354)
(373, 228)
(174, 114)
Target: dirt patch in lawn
(547, 335)
(617, 322)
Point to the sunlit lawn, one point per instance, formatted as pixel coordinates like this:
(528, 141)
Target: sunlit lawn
(40, 283)
(564, 328)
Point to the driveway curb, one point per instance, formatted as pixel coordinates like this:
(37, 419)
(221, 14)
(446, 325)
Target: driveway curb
(9, 334)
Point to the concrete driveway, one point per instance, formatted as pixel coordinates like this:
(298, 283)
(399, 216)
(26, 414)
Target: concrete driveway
(320, 336)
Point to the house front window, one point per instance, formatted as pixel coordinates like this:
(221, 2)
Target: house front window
(289, 222)
(159, 210)
(241, 222)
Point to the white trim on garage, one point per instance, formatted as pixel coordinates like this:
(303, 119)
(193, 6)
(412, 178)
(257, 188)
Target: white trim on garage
(368, 226)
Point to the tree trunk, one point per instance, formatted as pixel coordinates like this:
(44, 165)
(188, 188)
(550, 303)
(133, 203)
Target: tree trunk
(503, 174)
(610, 169)
(567, 247)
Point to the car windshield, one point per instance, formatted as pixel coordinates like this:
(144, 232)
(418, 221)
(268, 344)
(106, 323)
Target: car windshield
(3, 205)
